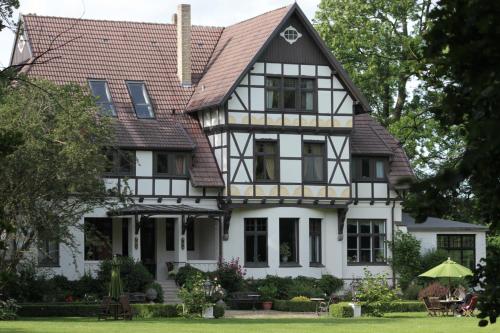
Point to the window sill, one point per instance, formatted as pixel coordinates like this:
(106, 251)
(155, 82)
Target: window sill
(48, 266)
(316, 265)
(289, 265)
(367, 264)
(256, 266)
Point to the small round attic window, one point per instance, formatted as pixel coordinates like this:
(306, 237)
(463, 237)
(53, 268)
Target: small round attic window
(290, 34)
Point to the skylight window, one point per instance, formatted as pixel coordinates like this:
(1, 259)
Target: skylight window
(100, 91)
(140, 98)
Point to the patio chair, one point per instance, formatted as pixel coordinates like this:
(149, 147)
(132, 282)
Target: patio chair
(324, 307)
(126, 309)
(468, 309)
(435, 306)
(104, 310)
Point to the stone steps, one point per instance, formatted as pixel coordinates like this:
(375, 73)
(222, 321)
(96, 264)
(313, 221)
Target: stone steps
(170, 291)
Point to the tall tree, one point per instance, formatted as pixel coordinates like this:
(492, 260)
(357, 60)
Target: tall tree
(51, 176)
(7, 8)
(380, 43)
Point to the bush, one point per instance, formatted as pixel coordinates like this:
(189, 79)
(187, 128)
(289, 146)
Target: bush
(219, 311)
(330, 284)
(282, 284)
(58, 310)
(134, 275)
(230, 275)
(434, 289)
(411, 292)
(193, 296)
(268, 292)
(431, 259)
(404, 306)
(294, 306)
(8, 309)
(375, 293)
(341, 310)
(147, 311)
(159, 290)
(184, 273)
(405, 260)
(88, 285)
(304, 286)
(300, 299)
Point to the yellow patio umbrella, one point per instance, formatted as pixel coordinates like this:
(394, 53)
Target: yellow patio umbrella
(449, 269)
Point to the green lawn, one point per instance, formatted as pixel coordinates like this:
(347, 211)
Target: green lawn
(396, 322)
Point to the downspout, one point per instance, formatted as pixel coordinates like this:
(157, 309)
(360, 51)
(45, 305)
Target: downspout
(392, 240)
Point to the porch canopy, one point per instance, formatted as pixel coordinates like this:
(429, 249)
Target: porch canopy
(150, 210)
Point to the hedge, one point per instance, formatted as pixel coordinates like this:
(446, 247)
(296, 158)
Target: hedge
(292, 306)
(219, 311)
(344, 310)
(91, 310)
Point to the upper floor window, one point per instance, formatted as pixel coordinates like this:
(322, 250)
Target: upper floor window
(290, 93)
(170, 164)
(140, 98)
(266, 161)
(370, 168)
(365, 241)
(120, 162)
(314, 162)
(100, 90)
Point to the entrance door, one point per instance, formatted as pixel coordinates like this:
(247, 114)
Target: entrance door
(148, 246)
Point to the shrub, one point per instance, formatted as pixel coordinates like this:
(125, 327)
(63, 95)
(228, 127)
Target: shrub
(411, 292)
(300, 299)
(159, 290)
(375, 293)
(58, 310)
(186, 272)
(341, 310)
(405, 260)
(282, 284)
(148, 311)
(404, 306)
(431, 259)
(230, 275)
(87, 285)
(304, 286)
(330, 284)
(8, 309)
(219, 311)
(268, 292)
(294, 306)
(134, 275)
(193, 296)
(434, 289)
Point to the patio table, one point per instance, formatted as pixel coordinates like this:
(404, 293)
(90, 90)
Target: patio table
(317, 300)
(448, 304)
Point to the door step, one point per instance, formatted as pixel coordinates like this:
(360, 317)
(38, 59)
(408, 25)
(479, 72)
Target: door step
(170, 291)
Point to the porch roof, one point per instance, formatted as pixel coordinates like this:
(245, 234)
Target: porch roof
(180, 209)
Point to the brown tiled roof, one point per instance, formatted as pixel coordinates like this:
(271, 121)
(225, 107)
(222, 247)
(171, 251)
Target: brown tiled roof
(119, 51)
(235, 50)
(370, 138)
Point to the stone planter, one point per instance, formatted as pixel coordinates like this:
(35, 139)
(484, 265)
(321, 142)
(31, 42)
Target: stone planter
(356, 309)
(208, 312)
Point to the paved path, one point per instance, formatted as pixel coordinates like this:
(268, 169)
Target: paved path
(260, 314)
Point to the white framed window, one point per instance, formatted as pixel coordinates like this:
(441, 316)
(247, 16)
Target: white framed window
(290, 34)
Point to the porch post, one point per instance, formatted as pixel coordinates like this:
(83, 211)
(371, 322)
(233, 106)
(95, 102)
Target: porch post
(180, 242)
(134, 240)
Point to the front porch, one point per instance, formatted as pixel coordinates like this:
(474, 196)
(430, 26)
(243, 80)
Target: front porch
(162, 237)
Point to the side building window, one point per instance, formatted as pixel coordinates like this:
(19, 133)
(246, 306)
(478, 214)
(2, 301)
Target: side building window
(366, 241)
(100, 91)
(120, 162)
(266, 161)
(460, 248)
(170, 164)
(314, 162)
(314, 242)
(255, 242)
(48, 253)
(290, 94)
(98, 236)
(289, 241)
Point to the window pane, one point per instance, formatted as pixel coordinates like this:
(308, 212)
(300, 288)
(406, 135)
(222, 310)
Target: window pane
(352, 255)
(455, 242)
(379, 169)
(98, 236)
(100, 90)
(365, 168)
(261, 248)
(180, 165)
(272, 99)
(378, 227)
(126, 162)
(352, 227)
(290, 99)
(314, 149)
(364, 256)
(307, 83)
(442, 242)
(378, 255)
(162, 163)
(307, 102)
(273, 82)
(140, 99)
(352, 242)
(364, 227)
(313, 169)
(291, 83)
(468, 259)
(365, 242)
(48, 253)
(143, 111)
(249, 248)
(468, 241)
(288, 237)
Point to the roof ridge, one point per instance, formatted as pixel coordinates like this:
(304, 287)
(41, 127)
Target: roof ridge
(254, 17)
(113, 21)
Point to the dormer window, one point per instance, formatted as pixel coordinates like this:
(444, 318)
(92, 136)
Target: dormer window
(170, 164)
(100, 91)
(370, 168)
(140, 99)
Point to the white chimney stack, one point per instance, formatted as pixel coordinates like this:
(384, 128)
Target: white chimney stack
(184, 44)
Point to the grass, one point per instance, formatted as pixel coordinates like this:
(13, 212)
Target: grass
(394, 322)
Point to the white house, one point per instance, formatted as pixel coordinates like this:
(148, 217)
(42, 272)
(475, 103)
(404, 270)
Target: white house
(231, 142)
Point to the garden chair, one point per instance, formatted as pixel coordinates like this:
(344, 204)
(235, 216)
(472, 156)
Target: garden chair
(126, 309)
(468, 309)
(105, 309)
(324, 307)
(436, 306)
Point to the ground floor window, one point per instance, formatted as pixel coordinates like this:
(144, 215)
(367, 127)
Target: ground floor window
(48, 253)
(289, 241)
(98, 238)
(366, 241)
(315, 241)
(255, 242)
(460, 248)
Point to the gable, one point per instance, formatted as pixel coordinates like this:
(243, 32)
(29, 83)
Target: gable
(303, 51)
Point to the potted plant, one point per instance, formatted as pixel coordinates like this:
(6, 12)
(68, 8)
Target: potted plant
(285, 252)
(267, 295)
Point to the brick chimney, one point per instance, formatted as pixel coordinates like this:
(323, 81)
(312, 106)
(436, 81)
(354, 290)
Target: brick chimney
(184, 44)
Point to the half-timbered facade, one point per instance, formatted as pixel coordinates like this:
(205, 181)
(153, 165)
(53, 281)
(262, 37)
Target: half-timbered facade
(230, 143)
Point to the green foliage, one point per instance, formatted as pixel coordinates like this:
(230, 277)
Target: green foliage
(184, 273)
(294, 306)
(135, 277)
(148, 311)
(405, 259)
(6, 10)
(435, 289)
(219, 311)
(300, 299)
(58, 310)
(268, 292)
(341, 310)
(159, 290)
(487, 276)
(375, 293)
(329, 284)
(432, 258)
(230, 275)
(288, 287)
(285, 250)
(411, 291)
(193, 296)
(8, 309)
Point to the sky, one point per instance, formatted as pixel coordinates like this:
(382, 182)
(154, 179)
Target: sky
(203, 12)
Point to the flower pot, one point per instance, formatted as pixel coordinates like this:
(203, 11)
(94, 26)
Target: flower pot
(284, 259)
(267, 305)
